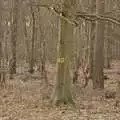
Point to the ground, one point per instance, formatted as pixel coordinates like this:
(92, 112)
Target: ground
(27, 98)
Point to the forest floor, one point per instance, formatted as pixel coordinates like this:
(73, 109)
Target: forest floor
(27, 98)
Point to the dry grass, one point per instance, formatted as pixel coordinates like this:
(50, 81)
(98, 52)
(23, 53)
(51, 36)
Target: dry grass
(29, 100)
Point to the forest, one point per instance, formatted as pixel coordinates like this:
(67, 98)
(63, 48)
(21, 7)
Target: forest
(59, 60)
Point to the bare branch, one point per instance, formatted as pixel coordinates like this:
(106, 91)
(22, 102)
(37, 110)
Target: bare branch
(82, 15)
(95, 17)
(57, 13)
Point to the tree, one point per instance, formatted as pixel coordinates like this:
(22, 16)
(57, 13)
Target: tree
(43, 54)
(63, 92)
(14, 36)
(33, 42)
(108, 37)
(92, 38)
(98, 79)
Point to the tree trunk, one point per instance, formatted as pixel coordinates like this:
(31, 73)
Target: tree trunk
(108, 40)
(98, 80)
(92, 39)
(63, 92)
(0, 62)
(43, 61)
(63, 89)
(108, 51)
(14, 36)
(26, 41)
(32, 45)
(0, 38)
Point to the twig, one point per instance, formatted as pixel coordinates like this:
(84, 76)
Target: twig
(95, 17)
(59, 14)
(83, 15)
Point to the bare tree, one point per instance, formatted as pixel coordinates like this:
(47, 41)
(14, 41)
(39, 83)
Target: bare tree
(13, 36)
(98, 79)
(63, 92)
(31, 70)
(108, 37)
(92, 38)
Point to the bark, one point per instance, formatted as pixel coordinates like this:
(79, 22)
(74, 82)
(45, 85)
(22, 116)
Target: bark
(92, 39)
(43, 61)
(43, 51)
(63, 92)
(108, 51)
(0, 62)
(32, 45)
(63, 89)
(14, 36)
(108, 40)
(26, 41)
(98, 80)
